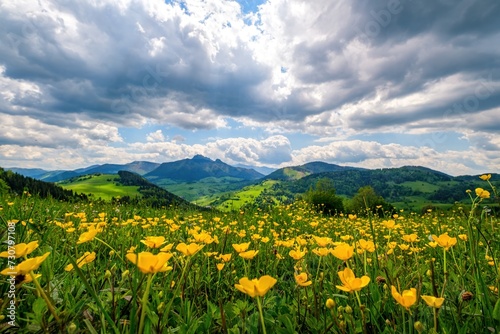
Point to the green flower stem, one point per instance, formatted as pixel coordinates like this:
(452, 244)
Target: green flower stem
(45, 297)
(261, 314)
(109, 246)
(145, 303)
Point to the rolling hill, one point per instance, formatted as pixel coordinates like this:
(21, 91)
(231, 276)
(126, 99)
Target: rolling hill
(124, 186)
(298, 172)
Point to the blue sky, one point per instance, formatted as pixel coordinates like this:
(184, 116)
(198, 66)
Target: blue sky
(379, 83)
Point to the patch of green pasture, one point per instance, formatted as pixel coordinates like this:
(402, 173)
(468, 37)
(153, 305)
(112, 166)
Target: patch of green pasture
(421, 186)
(102, 186)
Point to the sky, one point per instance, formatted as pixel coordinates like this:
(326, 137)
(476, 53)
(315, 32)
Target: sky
(366, 83)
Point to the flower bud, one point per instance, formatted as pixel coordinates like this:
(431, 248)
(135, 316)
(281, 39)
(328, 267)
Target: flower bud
(348, 309)
(107, 274)
(419, 327)
(125, 274)
(330, 303)
(71, 328)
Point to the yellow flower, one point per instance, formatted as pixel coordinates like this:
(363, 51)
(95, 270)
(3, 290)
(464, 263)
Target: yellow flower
(485, 177)
(20, 250)
(220, 266)
(297, 254)
(225, 257)
(322, 251)
(406, 299)
(480, 192)
(190, 249)
(87, 257)
(445, 241)
(410, 237)
(366, 245)
(167, 248)
(248, 255)
(149, 263)
(433, 301)
(322, 241)
(26, 266)
(89, 235)
(241, 247)
(301, 279)
(350, 283)
(154, 242)
(343, 252)
(256, 287)
(462, 237)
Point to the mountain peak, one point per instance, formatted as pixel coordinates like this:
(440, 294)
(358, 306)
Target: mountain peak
(201, 157)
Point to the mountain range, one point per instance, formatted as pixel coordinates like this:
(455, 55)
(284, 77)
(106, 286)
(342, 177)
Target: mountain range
(215, 183)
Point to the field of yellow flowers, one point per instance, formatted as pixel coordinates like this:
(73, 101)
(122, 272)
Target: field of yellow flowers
(102, 268)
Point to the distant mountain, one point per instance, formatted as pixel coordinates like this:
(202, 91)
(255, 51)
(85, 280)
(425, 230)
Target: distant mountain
(138, 167)
(310, 168)
(29, 172)
(198, 168)
(263, 170)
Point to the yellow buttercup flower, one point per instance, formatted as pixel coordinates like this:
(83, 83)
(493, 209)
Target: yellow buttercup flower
(190, 249)
(432, 301)
(297, 254)
(220, 266)
(321, 251)
(149, 263)
(301, 279)
(224, 257)
(20, 250)
(480, 192)
(256, 287)
(445, 241)
(26, 266)
(87, 257)
(485, 177)
(343, 252)
(248, 255)
(322, 241)
(167, 248)
(406, 299)
(154, 242)
(366, 245)
(89, 235)
(410, 237)
(241, 247)
(350, 283)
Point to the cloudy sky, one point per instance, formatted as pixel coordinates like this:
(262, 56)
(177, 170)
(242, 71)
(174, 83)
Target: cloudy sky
(370, 83)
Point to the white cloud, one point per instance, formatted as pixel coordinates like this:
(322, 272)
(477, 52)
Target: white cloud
(155, 136)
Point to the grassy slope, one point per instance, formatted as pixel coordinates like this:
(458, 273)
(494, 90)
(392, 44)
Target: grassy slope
(238, 198)
(100, 186)
(205, 188)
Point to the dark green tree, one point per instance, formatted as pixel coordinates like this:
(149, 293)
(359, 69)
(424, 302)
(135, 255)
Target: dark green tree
(323, 197)
(366, 200)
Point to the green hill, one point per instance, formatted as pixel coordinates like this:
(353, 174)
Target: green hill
(310, 168)
(103, 186)
(125, 187)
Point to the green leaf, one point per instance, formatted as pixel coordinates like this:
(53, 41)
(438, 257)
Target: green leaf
(496, 310)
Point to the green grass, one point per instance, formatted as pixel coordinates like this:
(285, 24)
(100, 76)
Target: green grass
(422, 186)
(235, 200)
(208, 187)
(102, 186)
